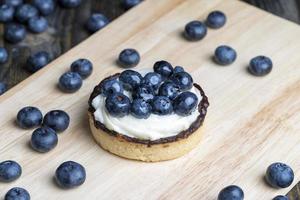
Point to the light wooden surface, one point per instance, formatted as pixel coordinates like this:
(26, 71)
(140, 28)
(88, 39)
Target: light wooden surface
(251, 122)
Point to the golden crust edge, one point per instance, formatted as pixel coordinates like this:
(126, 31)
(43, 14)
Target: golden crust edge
(143, 152)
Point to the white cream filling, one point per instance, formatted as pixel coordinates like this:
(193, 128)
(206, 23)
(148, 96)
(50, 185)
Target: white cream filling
(153, 128)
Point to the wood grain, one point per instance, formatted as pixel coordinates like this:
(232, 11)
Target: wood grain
(251, 122)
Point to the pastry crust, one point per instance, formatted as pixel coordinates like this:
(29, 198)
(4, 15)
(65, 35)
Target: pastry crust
(138, 151)
(146, 150)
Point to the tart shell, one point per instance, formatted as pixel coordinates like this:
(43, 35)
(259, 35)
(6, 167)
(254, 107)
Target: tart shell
(146, 150)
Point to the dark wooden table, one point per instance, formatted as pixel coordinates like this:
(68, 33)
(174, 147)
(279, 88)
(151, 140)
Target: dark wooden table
(67, 30)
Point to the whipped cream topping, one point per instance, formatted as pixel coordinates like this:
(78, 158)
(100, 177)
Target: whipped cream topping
(153, 128)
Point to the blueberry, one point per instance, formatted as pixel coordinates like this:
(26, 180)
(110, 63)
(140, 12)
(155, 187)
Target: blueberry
(185, 103)
(70, 174)
(38, 24)
(195, 30)
(111, 86)
(96, 22)
(163, 68)
(43, 139)
(183, 80)
(129, 58)
(162, 105)
(3, 55)
(14, 32)
(231, 192)
(70, 3)
(152, 79)
(260, 66)
(144, 92)
(58, 120)
(140, 109)
(169, 89)
(29, 117)
(37, 61)
(225, 55)
(216, 19)
(25, 12)
(130, 79)
(279, 175)
(9, 171)
(70, 82)
(178, 69)
(46, 7)
(17, 193)
(127, 4)
(3, 88)
(117, 105)
(280, 197)
(6, 13)
(83, 67)
(13, 3)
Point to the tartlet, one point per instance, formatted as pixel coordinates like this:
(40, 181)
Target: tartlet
(147, 150)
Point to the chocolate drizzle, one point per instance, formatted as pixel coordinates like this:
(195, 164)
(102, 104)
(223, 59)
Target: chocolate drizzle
(202, 108)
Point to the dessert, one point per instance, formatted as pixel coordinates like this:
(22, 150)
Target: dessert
(145, 119)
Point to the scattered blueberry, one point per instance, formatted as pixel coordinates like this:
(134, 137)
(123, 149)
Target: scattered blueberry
(46, 7)
(17, 193)
(70, 82)
(13, 3)
(9, 171)
(70, 174)
(83, 67)
(129, 58)
(38, 24)
(260, 66)
(14, 32)
(178, 69)
(185, 103)
(3, 88)
(29, 117)
(6, 13)
(25, 12)
(169, 89)
(216, 19)
(37, 61)
(144, 92)
(130, 79)
(43, 139)
(280, 197)
(231, 192)
(70, 3)
(96, 22)
(163, 68)
(57, 120)
(127, 4)
(225, 55)
(152, 79)
(279, 175)
(162, 105)
(140, 109)
(3, 55)
(183, 80)
(118, 105)
(195, 30)
(111, 86)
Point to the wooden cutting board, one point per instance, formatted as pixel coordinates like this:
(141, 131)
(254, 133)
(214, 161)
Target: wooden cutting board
(251, 122)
